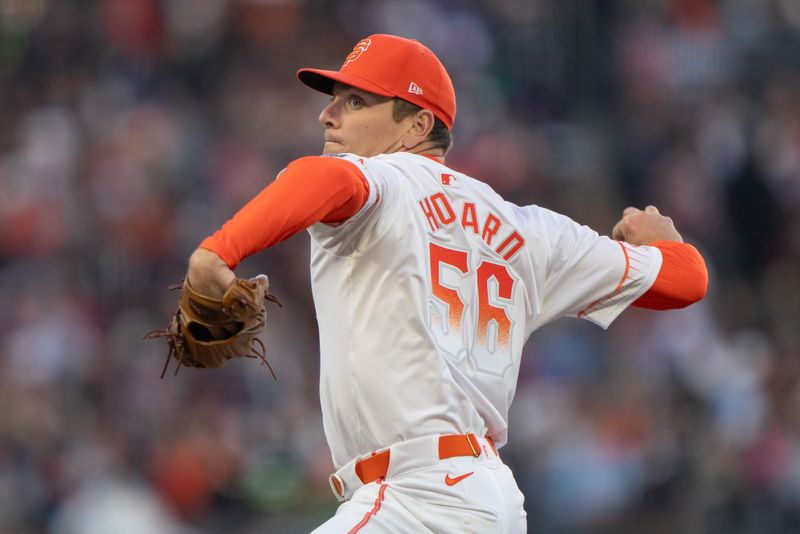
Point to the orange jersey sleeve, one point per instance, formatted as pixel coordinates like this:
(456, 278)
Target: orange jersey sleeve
(682, 280)
(309, 190)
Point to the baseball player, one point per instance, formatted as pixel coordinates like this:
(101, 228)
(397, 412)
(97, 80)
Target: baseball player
(426, 285)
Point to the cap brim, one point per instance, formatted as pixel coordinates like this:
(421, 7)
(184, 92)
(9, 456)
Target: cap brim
(323, 80)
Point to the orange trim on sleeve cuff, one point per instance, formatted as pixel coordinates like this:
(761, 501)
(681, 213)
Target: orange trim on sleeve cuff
(590, 307)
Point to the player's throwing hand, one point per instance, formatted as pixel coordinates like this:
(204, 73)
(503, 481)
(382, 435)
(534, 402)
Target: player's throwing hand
(639, 227)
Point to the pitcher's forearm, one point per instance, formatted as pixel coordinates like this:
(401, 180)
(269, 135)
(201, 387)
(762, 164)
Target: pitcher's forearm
(682, 280)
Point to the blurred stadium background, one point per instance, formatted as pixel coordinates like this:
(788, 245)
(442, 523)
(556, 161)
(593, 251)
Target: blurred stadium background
(130, 129)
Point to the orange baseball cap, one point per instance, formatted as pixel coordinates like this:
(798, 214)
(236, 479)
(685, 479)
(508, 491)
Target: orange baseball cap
(388, 65)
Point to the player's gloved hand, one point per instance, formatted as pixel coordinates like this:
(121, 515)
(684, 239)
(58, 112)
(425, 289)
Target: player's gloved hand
(207, 332)
(642, 227)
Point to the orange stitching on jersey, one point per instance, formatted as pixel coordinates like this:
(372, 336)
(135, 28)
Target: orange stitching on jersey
(617, 289)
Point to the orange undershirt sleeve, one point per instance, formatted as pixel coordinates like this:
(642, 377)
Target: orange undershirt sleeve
(682, 280)
(309, 190)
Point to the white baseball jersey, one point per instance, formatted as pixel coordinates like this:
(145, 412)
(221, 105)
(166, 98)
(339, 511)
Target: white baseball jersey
(426, 296)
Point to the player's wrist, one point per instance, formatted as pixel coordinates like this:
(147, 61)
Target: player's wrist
(208, 274)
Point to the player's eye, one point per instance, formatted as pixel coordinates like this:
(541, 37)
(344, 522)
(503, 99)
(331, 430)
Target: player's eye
(355, 101)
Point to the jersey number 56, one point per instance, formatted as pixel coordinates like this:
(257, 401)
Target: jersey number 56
(469, 308)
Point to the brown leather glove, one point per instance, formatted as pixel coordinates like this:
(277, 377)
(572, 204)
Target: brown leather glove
(207, 332)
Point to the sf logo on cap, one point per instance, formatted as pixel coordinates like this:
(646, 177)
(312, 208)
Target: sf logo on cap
(359, 49)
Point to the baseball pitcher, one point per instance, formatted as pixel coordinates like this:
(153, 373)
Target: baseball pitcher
(426, 285)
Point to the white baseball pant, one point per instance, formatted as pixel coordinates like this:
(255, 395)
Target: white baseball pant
(423, 494)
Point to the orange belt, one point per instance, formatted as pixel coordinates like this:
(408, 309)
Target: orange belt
(377, 465)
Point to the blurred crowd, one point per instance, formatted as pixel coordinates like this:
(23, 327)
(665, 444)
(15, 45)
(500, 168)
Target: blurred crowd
(130, 130)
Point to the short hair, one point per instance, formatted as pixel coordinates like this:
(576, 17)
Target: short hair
(440, 134)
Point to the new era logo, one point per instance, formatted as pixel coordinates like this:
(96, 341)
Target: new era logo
(414, 88)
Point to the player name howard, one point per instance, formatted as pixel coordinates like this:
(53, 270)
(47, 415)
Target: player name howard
(441, 213)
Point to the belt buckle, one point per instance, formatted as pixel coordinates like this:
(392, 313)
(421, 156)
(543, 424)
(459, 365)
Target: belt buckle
(337, 487)
(475, 453)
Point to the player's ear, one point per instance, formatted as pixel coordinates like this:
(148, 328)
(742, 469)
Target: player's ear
(419, 128)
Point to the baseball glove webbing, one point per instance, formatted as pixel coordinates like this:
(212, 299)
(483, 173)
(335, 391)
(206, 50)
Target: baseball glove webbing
(206, 332)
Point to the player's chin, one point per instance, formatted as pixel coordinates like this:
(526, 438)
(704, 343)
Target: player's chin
(332, 147)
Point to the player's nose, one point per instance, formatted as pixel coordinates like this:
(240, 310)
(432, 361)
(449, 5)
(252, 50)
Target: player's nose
(329, 116)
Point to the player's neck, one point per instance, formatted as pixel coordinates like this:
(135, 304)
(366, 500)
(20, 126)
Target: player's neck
(424, 149)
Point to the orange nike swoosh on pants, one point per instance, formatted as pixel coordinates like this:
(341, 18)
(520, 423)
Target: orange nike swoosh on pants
(450, 481)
